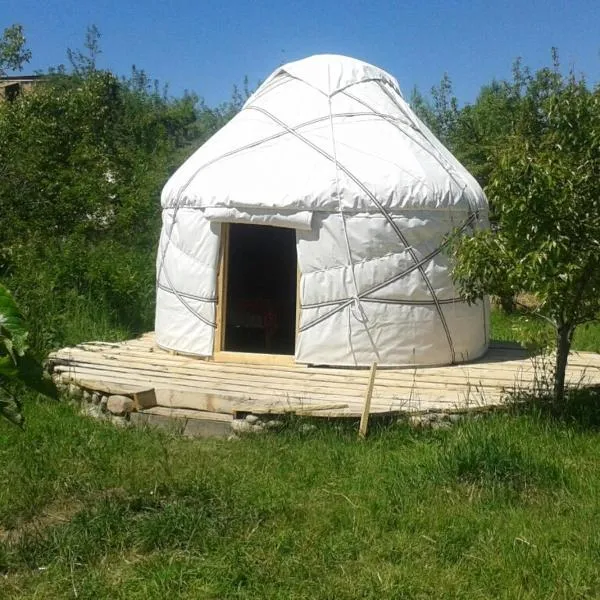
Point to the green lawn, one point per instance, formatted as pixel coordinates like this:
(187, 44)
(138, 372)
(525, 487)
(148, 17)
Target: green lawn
(502, 507)
(507, 506)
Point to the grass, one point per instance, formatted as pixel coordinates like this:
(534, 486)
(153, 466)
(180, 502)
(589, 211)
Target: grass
(520, 327)
(506, 506)
(56, 322)
(502, 507)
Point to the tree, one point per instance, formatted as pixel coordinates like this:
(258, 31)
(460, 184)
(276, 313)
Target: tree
(84, 62)
(13, 52)
(545, 189)
(473, 132)
(440, 113)
(481, 128)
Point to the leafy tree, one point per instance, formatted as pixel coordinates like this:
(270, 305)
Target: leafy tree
(84, 62)
(545, 189)
(474, 132)
(16, 364)
(440, 113)
(13, 52)
(83, 158)
(481, 128)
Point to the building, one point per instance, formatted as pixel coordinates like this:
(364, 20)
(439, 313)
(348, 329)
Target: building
(12, 86)
(313, 225)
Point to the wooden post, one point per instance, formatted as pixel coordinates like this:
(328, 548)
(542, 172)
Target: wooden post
(221, 308)
(364, 420)
(298, 302)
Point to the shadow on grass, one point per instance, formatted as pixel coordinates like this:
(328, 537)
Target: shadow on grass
(493, 456)
(580, 408)
(346, 427)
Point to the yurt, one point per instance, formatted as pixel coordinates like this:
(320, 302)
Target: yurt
(314, 225)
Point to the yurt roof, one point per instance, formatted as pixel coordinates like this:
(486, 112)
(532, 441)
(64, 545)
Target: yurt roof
(326, 133)
(331, 73)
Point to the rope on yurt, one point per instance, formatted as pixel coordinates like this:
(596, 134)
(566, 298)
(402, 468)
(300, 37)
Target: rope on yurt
(443, 163)
(204, 299)
(378, 286)
(186, 304)
(162, 269)
(256, 143)
(359, 313)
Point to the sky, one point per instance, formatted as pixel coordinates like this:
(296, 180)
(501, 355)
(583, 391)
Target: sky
(207, 47)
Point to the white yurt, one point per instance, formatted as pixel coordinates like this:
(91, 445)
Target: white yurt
(314, 224)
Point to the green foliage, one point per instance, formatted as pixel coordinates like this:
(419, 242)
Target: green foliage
(85, 62)
(545, 189)
(12, 347)
(440, 113)
(475, 132)
(15, 362)
(13, 52)
(13, 333)
(547, 192)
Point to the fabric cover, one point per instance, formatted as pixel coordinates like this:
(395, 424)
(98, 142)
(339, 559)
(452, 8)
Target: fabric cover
(328, 146)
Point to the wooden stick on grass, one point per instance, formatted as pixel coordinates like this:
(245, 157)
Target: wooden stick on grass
(364, 420)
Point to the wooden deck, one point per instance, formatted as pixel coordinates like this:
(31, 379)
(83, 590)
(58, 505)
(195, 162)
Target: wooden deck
(181, 382)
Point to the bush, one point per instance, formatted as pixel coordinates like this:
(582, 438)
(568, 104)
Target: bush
(84, 158)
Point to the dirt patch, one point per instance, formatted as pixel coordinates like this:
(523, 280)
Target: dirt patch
(528, 300)
(60, 511)
(520, 301)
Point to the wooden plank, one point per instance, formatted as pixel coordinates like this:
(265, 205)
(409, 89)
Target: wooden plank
(146, 348)
(179, 398)
(364, 420)
(222, 282)
(243, 383)
(109, 389)
(195, 398)
(253, 358)
(498, 352)
(294, 385)
(383, 374)
(144, 399)
(134, 364)
(314, 409)
(244, 392)
(262, 375)
(301, 388)
(273, 386)
(295, 377)
(502, 368)
(282, 408)
(205, 400)
(187, 413)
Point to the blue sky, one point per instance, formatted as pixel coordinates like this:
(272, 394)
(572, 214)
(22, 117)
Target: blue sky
(208, 46)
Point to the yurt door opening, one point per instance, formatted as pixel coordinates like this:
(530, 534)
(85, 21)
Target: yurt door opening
(258, 279)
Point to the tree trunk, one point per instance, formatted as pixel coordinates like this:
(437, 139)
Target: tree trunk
(564, 334)
(508, 304)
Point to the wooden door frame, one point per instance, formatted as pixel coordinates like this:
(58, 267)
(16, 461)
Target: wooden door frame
(219, 353)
